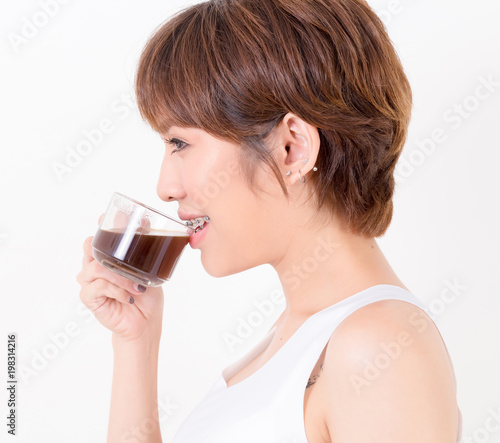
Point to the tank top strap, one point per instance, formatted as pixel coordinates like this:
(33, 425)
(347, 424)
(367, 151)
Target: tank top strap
(306, 346)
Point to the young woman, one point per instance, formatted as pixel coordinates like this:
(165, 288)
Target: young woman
(283, 121)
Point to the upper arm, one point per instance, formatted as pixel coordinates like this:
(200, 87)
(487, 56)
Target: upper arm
(387, 378)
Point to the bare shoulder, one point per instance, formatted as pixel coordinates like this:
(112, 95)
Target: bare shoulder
(386, 366)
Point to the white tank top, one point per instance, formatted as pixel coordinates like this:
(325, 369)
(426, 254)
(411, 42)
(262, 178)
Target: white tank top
(267, 406)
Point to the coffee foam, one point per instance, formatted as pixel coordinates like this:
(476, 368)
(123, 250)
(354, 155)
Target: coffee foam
(157, 232)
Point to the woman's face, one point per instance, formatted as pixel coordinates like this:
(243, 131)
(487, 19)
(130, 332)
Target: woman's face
(205, 177)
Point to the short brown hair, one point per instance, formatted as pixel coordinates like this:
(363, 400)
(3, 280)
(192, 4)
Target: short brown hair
(235, 68)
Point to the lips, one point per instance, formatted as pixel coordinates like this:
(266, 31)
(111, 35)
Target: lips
(186, 216)
(196, 237)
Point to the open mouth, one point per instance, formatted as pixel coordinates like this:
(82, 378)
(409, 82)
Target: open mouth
(197, 224)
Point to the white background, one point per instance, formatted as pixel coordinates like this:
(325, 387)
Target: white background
(76, 68)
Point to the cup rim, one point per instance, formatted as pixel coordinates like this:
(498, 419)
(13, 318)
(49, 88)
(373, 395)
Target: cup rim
(149, 208)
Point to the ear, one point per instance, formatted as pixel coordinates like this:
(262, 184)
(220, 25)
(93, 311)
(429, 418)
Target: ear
(296, 141)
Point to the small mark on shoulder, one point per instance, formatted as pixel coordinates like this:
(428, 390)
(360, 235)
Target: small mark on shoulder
(314, 378)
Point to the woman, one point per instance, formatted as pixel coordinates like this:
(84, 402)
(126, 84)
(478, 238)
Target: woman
(283, 121)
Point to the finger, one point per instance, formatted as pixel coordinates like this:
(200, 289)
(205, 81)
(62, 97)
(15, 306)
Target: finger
(87, 251)
(121, 220)
(94, 271)
(96, 293)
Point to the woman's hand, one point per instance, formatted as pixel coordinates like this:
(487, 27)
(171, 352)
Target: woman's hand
(118, 303)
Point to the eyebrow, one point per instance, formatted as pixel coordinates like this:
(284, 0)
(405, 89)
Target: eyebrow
(166, 129)
(163, 132)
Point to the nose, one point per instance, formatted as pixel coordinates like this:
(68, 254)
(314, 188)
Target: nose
(169, 186)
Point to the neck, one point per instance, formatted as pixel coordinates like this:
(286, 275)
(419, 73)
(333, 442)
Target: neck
(322, 267)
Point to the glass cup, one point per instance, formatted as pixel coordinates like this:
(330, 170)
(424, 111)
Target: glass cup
(139, 242)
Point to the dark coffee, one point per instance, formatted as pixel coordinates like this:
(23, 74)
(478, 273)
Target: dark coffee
(149, 258)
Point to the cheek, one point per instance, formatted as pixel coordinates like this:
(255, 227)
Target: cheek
(245, 212)
(229, 246)
(232, 207)
(202, 181)
(242, 222)
(240, 236)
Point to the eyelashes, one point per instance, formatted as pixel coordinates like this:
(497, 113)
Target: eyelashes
(178, 144)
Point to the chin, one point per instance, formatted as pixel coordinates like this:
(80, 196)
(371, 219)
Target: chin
(217, 268)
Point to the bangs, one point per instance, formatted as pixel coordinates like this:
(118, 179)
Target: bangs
(188, 76)
(165, 82)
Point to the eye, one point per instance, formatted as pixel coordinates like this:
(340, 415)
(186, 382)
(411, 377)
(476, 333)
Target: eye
(179, 144)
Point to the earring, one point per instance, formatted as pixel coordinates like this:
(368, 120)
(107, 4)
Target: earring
(314, 169)
(288, 173)
(302, 179)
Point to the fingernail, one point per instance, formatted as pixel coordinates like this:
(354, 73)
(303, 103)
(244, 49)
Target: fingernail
(140, 288)
(131, 300)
